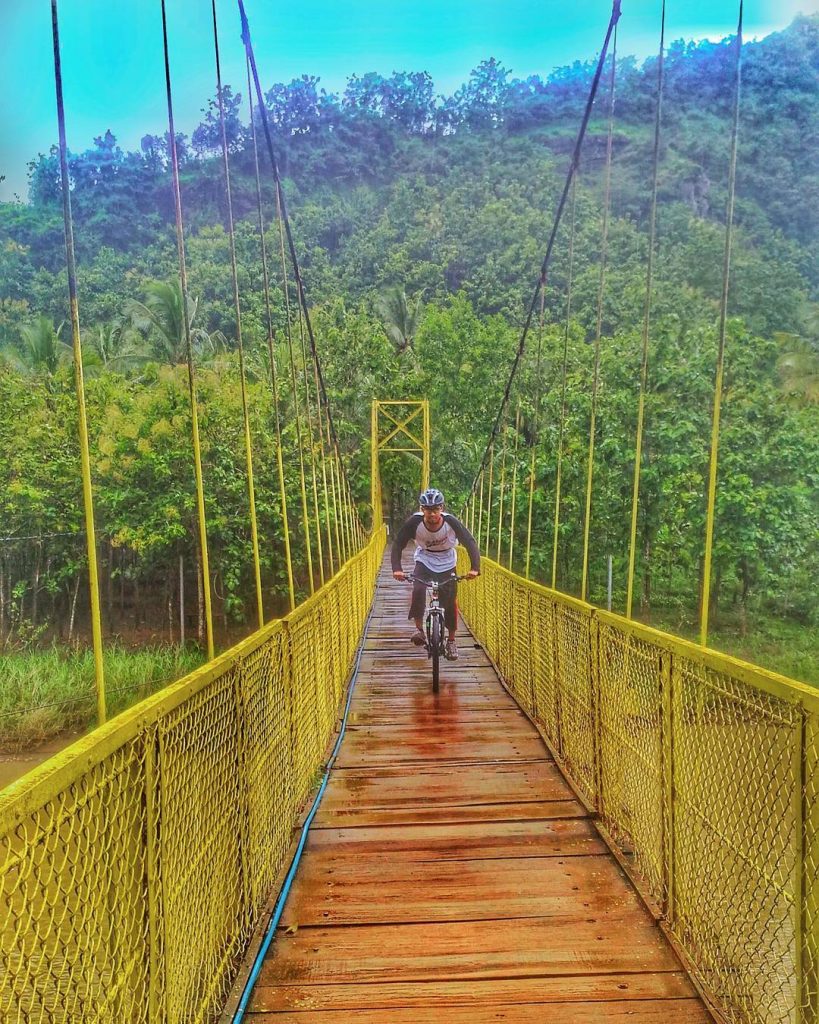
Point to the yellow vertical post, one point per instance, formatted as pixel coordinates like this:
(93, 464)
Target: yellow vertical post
(427, 448)
(79, 384)
(251, 489)
(723, 315)
(375, 477)
(598, 330)
(514, 488)
(183, 284)
(652, 234)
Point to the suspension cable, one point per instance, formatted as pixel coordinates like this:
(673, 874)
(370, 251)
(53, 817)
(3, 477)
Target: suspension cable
(79, 383)
(564, 378)
(535, 427)
(251, 489)
(295, 392)
(489, 495)
(514, 487)
(652, 236)
(312, 449)
(615, 17)
(501, 492)
(183, 283)
(599, 326)
(274, 377)
(723, 316)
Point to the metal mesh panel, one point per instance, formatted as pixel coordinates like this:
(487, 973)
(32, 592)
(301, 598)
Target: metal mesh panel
(577, 723)
(199, 849)
(736, 823)
(706, 774)
(544, 667)
(65, 872)
(631, 750)
(134, 866)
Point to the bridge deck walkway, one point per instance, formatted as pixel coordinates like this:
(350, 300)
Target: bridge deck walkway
(452, 875)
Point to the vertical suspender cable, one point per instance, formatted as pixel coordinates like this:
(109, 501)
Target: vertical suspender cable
(251, 490)
(514, 488)
(480, 509)
(310, 433)
(489, 497)
(183, 283)
(274, 377)
(563, 377)
(501, 494)
(302, 297)
(320, 425)
(723, 315)
(615, 17)
(85, 457)
(535, 428)
(652, 234)
(296, 408)
(599, 327)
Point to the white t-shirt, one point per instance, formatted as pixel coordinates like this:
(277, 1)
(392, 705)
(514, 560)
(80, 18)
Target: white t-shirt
(436, 549)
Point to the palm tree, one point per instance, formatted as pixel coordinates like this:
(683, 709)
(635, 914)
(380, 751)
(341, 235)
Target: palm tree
(401, 317)
(114, 346)
(41, 349)
(161, 319)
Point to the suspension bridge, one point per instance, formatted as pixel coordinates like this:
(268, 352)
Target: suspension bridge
(591, 821)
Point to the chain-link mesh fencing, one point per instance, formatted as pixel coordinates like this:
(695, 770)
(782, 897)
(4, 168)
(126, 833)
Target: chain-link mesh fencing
(704, 771)
(135, 865)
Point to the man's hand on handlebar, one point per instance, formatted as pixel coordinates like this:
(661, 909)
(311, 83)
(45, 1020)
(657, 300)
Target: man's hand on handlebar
(399, 575)
(472, 574)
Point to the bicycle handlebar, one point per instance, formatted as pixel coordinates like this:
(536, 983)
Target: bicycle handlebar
(409, 578)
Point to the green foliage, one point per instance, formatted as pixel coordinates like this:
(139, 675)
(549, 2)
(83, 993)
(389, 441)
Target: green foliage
(395, 195)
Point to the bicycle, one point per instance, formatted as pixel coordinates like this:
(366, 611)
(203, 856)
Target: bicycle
(434, 623)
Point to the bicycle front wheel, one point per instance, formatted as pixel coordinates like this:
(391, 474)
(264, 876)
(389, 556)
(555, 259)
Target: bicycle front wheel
(435, 649)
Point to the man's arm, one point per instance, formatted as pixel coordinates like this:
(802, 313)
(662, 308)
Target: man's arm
(468, 541)
(402, 538)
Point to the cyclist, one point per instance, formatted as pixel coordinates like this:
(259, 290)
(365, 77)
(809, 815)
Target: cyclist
(436, 534)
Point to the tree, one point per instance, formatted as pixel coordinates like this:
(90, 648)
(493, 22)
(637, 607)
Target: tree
(401, 318)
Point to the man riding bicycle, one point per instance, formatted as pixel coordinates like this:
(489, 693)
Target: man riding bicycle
(436, 534)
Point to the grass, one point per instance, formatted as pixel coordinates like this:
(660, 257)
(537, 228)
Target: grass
(781, 645)
(46, 693)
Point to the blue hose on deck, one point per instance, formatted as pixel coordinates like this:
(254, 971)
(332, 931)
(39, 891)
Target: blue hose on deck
(278, 910)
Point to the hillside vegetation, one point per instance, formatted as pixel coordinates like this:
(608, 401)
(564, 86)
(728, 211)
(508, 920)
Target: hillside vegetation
(420, 223)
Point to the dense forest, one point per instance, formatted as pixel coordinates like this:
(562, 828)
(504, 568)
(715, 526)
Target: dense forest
(420, 222)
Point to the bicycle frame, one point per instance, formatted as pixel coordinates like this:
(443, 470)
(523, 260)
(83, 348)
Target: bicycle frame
(434, 622)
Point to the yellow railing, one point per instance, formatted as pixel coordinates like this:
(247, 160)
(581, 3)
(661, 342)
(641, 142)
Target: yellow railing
(135, 865)
(703, 770)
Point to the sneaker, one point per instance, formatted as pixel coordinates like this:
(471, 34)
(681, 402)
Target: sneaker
(418, 638)
(451, 652)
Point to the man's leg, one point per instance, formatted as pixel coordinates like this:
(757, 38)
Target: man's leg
(449, 602)
(418, 604)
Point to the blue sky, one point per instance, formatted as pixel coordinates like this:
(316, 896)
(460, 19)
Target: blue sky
(112, 52)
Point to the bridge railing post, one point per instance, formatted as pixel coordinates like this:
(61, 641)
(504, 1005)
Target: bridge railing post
(668, 784)
(807, 929)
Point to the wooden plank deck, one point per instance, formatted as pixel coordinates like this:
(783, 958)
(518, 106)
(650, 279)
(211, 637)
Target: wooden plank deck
(452, 875)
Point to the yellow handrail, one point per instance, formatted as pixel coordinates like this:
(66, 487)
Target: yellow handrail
(703, 769)
(136, 864)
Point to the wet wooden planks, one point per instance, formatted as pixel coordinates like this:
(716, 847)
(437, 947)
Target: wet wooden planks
(451, 875)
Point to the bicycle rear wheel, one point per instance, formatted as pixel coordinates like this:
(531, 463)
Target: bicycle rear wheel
(435, 649)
